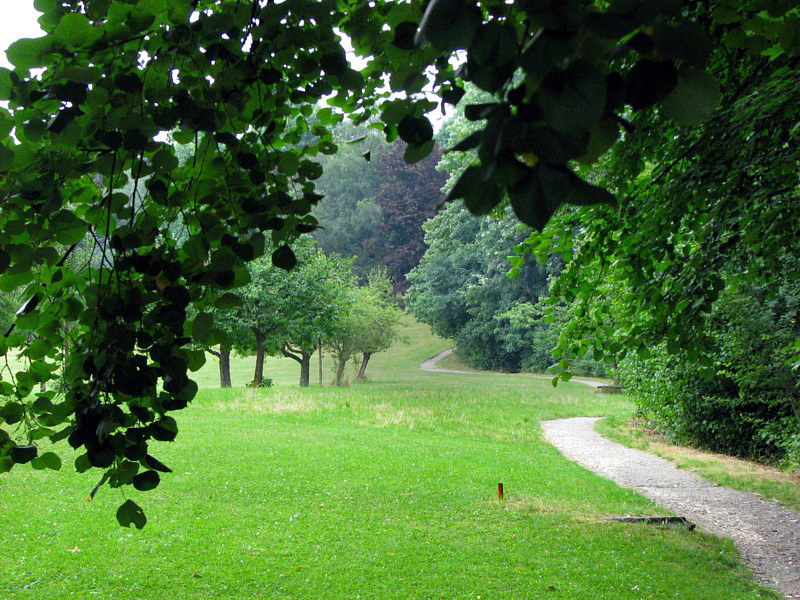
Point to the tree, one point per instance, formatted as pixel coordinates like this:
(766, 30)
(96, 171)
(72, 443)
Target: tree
(461, 288)
(374, 209)
(348, 213)
(284, 312)
(408, 196)
(314, 297)
(705, 214)
(240, 82)
(690, 224)
(380, 319)
(367, 326)
(223, 354)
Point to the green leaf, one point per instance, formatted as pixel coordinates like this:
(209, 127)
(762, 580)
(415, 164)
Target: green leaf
(6, 157)
(24, 454)
(404, 35)
(725, 16)
(28, 53)
(694, 98)
(5, 261)
(156, 464)
(448, 24)
(687, 42)
(573, 100)
(310, 170)
(201, 326)
(789, 37)
(415, 130)
(144, 482)
(546, 50)
(76, 32)
(227, 301)
(601, 137)
(9, 281)
(68, 228)
(197, 358)
(82, 463)
(5, 84)
(131, 514)
(530, 204)
(414, 154)
(284, 258)
(496, 44)
(650, 81)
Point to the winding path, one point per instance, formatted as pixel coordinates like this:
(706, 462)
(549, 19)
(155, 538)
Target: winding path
(430, 365)
(766, 534)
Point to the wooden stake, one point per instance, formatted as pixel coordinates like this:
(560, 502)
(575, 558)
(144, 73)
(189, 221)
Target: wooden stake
(499, 491)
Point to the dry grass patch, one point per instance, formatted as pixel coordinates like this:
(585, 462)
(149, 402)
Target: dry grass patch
(275, 402)
(575, 511)
(720, 468)
(388, 415)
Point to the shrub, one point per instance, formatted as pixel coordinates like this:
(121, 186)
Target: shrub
(744, 403)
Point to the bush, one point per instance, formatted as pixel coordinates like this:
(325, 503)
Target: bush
(745, 403)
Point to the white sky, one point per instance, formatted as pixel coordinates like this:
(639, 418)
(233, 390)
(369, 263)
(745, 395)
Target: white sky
(18, 21)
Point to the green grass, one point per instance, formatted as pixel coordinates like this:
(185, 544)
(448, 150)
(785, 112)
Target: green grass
(748, 476)
(385, 489)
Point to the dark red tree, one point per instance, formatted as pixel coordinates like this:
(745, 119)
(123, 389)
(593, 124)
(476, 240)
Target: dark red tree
(408, 196)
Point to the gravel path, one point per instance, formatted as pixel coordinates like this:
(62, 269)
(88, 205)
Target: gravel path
(766, 534)
(430, 365)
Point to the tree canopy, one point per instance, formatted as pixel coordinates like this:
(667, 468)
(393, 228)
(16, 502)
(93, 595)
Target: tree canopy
(254, 88)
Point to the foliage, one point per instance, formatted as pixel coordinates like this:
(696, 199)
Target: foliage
(544, 325)
(288, 312)
(368, 326)
(373, 210)
(8, 307)
(655, 277)
(348, 213)
(93, 102)
(750, 406)
(688, 228)
(460, 287)
(378, 318)
(408, 196)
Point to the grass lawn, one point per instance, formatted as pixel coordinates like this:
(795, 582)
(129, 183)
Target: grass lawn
(385, 489)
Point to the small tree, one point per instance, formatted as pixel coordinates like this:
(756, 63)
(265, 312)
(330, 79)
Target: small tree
(380, 317)
(311, 299)
(369, 326)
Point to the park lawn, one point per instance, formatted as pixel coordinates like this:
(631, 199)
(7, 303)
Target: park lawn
(385, 489)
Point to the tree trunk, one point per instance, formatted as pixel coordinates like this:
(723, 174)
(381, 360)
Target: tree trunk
(304, 358)
(362, 370)
(305, 370)
(320, 361)
(340, 367)
(224, 367)
(258, 376)
(615, 378)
